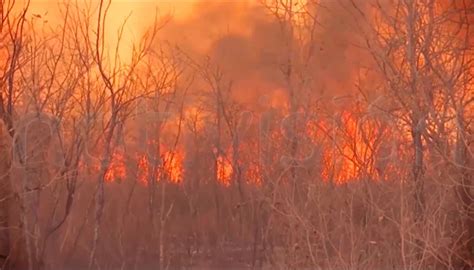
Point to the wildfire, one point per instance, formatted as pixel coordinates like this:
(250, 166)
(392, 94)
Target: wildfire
(117, 169)
(224, 170)
(171, 168)
(353, 150)
(143, 170)
(254, 175)
(350, 154)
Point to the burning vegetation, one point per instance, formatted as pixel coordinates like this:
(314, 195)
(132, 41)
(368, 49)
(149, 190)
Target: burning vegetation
(247, 134)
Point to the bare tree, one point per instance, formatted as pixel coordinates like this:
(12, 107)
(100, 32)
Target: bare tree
(425, 70)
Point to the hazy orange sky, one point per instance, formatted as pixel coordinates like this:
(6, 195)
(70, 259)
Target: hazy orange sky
(239, 36)
(141, 12)
(122, 8)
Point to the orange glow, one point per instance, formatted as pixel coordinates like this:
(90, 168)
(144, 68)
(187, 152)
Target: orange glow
(352, 154)
(116, 170)
(254, 175)
(224, 170)
(143, 170)
(173, 165)
(136, 16)
(346, 156)
(171, 169)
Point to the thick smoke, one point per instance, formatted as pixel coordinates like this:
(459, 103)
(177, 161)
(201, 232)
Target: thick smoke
(248, 44)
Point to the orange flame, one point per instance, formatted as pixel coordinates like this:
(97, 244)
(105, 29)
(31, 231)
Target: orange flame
(254, 175)
(350, 156)
(171, 169)
(173, 165)
(224, 170)
(116, 170)
(353, 156)
(143, 170)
